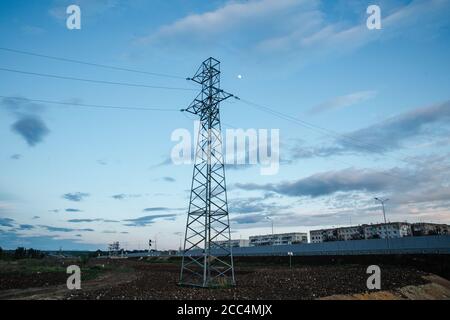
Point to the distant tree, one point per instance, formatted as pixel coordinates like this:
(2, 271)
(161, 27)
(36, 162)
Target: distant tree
(94, 254)
(20, 253)
(34, 254)
(1, 252)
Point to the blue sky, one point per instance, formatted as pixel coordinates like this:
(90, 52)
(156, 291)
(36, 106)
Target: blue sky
(83, 177)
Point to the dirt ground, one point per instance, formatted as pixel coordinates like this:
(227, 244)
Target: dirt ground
(138, 280)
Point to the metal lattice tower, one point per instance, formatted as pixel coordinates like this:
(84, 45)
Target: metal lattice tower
(208, 225)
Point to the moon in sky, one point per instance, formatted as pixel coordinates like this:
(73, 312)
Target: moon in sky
(239, 76)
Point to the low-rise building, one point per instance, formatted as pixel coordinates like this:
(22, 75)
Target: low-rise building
(316, 236)
(387, 230)
(234, 243)
(279, 239)
(372, 231)
(429, 229)
(351, 233)
(323, 235)
(337, 234)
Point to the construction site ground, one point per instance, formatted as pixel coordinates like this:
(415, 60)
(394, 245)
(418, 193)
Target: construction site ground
(157, 279)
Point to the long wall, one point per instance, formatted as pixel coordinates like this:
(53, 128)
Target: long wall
(407, 245)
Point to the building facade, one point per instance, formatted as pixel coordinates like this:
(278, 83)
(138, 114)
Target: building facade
(279, 239)
(337, 234)
(387, 230)
(351, 233)
(429, 229)
(323, 235)
(316, 236)
(366, 231)
(234, 243)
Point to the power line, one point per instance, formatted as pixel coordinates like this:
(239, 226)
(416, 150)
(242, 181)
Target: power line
(289, 118)
(140, 109)
(91, 105)
(94, 81)
(313, 127)
(297, 121)
(286, 117)
(91, 63)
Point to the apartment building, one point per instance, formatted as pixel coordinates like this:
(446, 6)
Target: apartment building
(234, 243)
(429, 229)
(279, 239)
(366, 231)
(337, 234)
(387, 230)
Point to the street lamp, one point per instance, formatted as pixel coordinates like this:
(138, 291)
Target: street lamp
(179, 234)
(156, 241)
(290, 254)
(383, 201)
(271, 220)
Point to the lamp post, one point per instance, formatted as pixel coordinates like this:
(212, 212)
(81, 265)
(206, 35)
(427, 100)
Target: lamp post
(383, 201)
(271, 220)
(290, 254)
(156, 241)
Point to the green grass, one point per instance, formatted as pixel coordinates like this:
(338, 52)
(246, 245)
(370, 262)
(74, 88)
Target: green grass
(29, 266)
(33, 266)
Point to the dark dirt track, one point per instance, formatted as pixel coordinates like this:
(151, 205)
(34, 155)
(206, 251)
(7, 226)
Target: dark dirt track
(23, 281)
(159, 281)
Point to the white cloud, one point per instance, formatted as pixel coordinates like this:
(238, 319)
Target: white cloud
(429, 123)
(299, 30)
(417, 192)
(231, 16)
(340, 37)
(343, 101)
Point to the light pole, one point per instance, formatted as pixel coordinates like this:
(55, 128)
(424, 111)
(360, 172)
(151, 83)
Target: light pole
(271, 220)
(156, 241)
(179, 234)
(383, 201)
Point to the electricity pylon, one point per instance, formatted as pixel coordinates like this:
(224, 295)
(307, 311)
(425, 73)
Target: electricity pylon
(208, 224)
